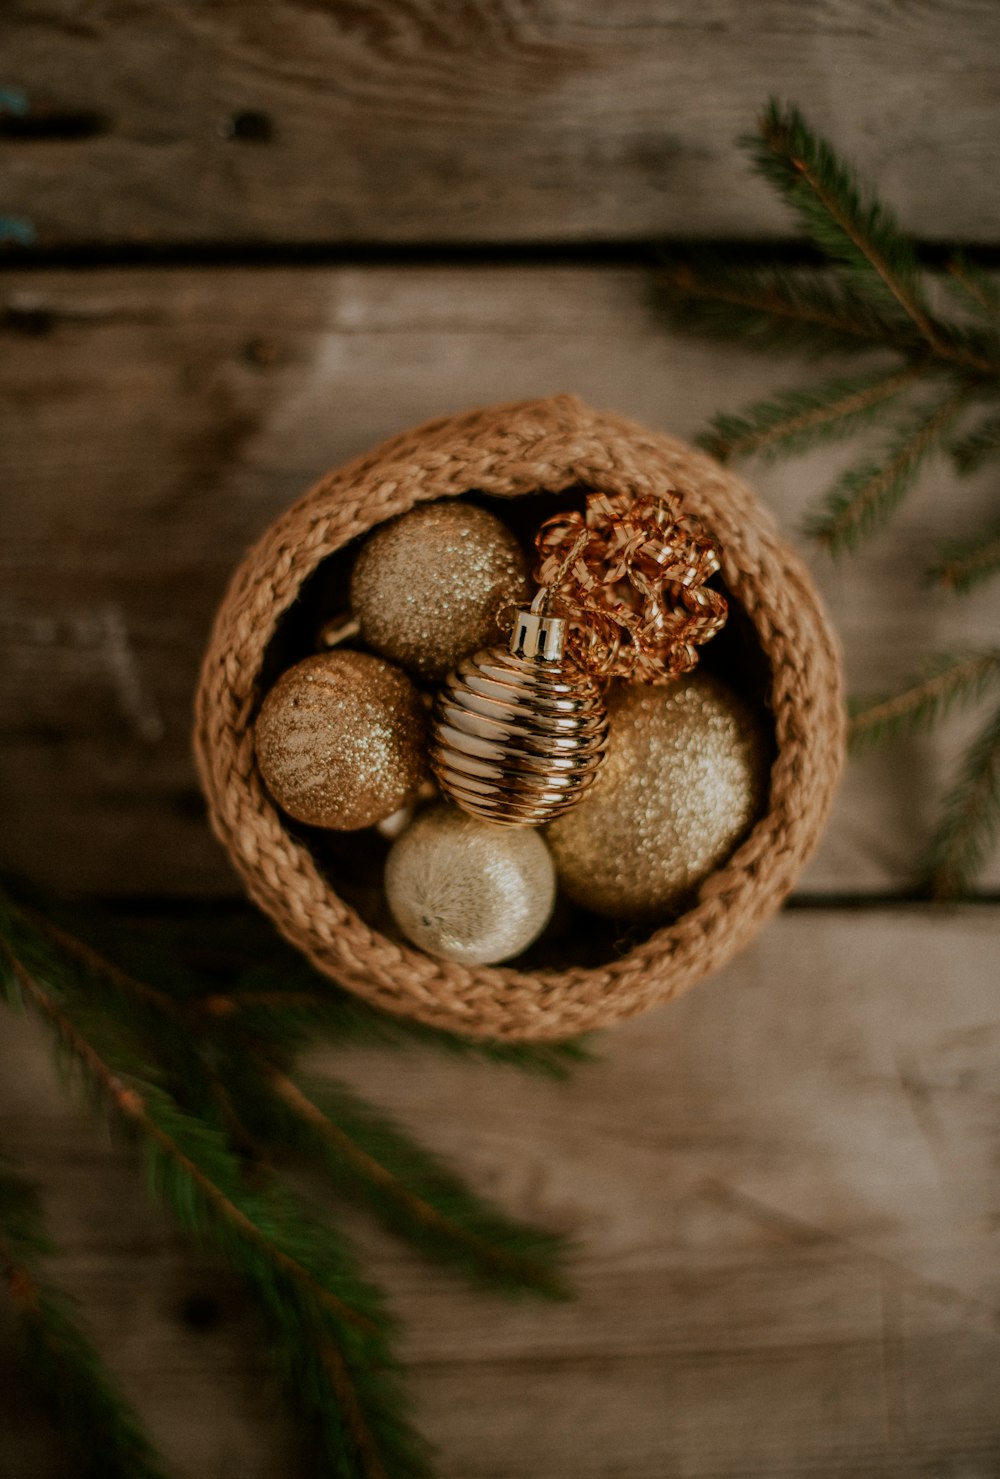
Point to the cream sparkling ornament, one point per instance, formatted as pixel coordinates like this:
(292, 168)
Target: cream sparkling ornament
(427, 587)
(341, 740)
(464, 890)
(684, 777)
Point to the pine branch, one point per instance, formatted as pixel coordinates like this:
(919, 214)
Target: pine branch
(772, 308)
(949, 680)
(852, 227)
(408, 1187)
(969, 819)
(981, 445)
(189, 1166)
(283, 1014)
(866, 495)
(973, 288)
(272, 993)
(100, 969)
(793, 421)
(200, 1083)
(109, 1440)
(965, 563)
(324, 1321)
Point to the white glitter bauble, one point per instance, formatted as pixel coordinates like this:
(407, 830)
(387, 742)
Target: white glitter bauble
(467, 890)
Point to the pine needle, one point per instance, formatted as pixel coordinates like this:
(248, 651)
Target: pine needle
(865, 496)
(965, 563)
(276, 996)
(773, 308)
(107, 1436)
(850, 225)
(973, 288)
(328, 1332)
(949, 680)
(272, 1007)
(408, 1187)
(981, 445)
(970, 815)
(794, 420)
(204, 1089)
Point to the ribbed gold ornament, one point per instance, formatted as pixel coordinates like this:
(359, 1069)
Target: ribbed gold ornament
(519, 732)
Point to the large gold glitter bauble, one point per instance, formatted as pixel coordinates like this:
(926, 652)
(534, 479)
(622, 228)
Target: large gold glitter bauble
(341, 740)
(464, 890)
(427, 587)
(684, 778)
(519, 731)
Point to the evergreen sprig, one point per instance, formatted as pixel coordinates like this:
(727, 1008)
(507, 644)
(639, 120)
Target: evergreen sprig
(773, 308)
(292, 1013)
(410, 1189)
(949, 680)
(216, 1106)
(795, 420)
(865, 496)
(967, 827)
(848, 223)
(962, 564)
(71, 1377)
(934, 369)
(978, 446)
(974, 289)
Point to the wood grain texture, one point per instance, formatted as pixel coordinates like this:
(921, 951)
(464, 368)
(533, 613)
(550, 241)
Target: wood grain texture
(494, 120)
(155, 422)
(784, 1190)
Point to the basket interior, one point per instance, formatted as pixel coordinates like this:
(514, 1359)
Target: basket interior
(353, 862)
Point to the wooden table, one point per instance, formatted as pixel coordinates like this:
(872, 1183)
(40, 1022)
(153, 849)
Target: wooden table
(253, 240)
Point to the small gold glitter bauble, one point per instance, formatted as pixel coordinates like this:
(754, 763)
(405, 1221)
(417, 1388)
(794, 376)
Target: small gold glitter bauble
(464, 890)
(341, 740)
(519, 731)
(428, 586)
(684, 778)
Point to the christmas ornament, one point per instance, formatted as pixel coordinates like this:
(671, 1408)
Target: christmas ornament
(463, 890)
(341, 740)
(630, 575)
(684, 777)
(519, 732)
(427, 587)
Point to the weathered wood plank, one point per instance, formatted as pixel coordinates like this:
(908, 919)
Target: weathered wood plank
(154, 423)
(783, 1187)
(497, 120)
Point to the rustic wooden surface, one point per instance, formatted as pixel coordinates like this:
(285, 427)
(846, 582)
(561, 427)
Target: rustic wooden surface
(157, 421)
(784, 1188)
(495, 120)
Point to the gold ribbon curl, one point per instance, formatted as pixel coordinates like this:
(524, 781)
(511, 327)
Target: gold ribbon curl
(629, 574)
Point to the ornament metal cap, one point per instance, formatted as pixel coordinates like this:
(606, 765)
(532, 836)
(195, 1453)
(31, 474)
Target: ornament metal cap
(537, 634)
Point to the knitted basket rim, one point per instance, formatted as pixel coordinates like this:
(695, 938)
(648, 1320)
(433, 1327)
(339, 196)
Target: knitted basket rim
(531, 446)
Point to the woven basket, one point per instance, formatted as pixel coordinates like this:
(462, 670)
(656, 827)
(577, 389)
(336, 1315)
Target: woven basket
(507, 451)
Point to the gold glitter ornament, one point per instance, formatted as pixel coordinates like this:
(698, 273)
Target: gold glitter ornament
(427, 587)
(519, 732)
(341, 740)
(463, 890)
(684, 778)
